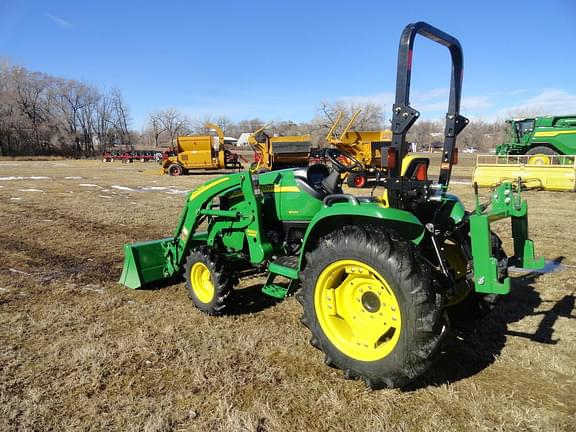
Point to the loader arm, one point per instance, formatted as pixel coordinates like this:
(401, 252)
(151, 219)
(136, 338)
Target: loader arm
(157, 260)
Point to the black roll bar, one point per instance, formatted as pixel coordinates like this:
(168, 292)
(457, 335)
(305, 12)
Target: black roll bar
(404, 116)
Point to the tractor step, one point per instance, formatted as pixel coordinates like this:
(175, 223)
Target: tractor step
(286, 266)
(274, 290)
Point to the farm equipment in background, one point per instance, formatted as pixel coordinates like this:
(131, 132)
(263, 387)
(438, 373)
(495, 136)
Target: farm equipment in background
(131, 155)
(200, 152)
(541, 137)
(365, 146)
(273, 153)
(558, 174)
(378, 274)
(539, 153)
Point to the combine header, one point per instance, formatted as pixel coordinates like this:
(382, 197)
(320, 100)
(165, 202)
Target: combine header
(556, 173)
(376, 275)
(538, 152)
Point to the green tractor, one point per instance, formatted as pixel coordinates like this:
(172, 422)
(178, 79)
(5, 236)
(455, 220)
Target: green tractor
(376, 275)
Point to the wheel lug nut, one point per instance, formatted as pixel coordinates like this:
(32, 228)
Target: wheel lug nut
(393, 308)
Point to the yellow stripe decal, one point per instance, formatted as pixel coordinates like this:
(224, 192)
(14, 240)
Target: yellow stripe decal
(278, 188)
(554, 133)
(207, 186)
(269, 188)
(251, 233)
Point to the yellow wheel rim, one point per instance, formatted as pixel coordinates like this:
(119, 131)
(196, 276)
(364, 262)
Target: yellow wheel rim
(539, 159)
(202, 284)
(357, 310)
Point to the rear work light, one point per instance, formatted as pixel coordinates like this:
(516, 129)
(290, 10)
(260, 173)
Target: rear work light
(455, 156)
(420, 173)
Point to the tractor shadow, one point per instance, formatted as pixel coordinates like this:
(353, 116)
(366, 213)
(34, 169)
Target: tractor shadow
(473, 345)
(250, 300)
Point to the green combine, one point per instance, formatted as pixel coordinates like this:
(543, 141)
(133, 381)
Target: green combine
(375, 275)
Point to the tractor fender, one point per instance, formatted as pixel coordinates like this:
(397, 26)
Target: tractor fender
(330, 218)
(457, 210)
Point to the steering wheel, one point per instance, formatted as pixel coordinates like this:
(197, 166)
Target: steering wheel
(335, 156)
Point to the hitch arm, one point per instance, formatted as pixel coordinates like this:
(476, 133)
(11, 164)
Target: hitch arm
(504, 204)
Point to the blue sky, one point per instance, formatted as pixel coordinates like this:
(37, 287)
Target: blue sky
(279, 60)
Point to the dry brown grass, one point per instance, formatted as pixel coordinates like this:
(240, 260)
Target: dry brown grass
(79, 352)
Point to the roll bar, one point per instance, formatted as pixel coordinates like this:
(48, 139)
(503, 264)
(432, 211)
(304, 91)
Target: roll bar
(404, 116)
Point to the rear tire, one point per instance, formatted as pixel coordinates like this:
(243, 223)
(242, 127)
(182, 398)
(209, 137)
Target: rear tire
(175, 170)
(208, 283)
(371, 307)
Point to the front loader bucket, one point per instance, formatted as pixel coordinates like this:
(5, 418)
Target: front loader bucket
(144, 263)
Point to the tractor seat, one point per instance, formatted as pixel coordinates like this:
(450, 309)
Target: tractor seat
(310, 179)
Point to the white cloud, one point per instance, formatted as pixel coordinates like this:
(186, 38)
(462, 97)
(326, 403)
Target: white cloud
(432, 102)
(383, 99)
(477, 102)
(548, 101)
(59, 21)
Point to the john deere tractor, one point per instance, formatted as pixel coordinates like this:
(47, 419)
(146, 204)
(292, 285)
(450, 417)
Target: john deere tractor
(375, 275)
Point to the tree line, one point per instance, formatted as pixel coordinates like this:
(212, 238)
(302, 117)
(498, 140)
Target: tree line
(165, 125)
(45, 115)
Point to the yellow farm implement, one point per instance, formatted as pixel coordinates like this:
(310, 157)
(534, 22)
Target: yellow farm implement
(365, 146)
(553, 173)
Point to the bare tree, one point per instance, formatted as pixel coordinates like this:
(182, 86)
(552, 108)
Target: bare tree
(173, 122)
(225, 124)
(155, 127)
(102, 122)
(120, 117)
(41, 114)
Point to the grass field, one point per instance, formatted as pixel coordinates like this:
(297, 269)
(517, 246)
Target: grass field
(80, 352)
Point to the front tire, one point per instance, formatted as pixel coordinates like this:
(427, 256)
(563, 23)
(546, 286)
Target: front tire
(208, 283)
(371, 307)
(541, 155)
(175, 170)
